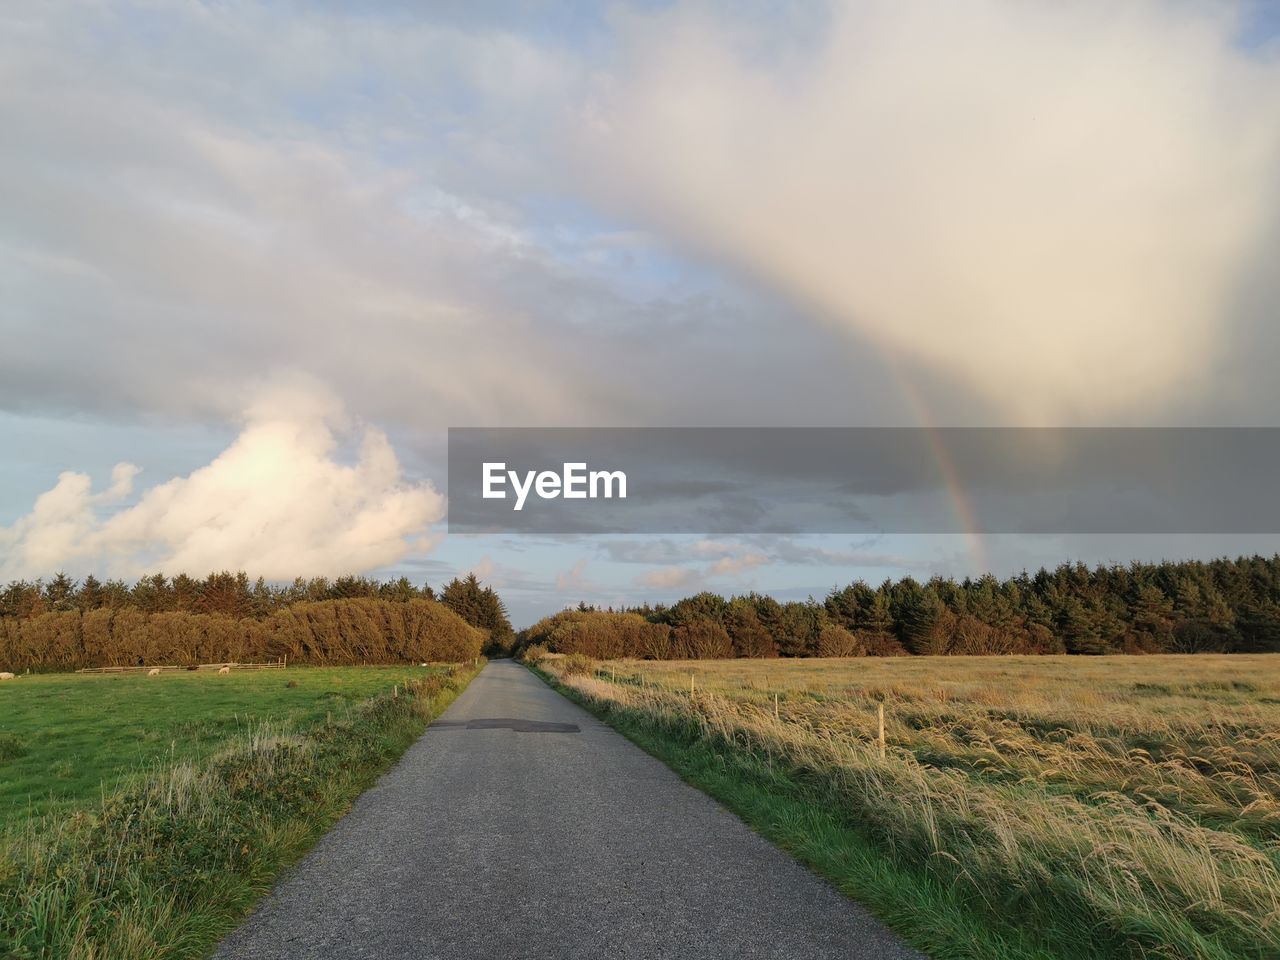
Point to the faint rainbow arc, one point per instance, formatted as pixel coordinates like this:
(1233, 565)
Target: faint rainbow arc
(962, 505)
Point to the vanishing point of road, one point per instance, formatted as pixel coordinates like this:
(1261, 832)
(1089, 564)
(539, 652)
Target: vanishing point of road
(519, 826)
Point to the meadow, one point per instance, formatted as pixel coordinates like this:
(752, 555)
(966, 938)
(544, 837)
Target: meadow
(143, 816)
(65, 739)
(1044, 807)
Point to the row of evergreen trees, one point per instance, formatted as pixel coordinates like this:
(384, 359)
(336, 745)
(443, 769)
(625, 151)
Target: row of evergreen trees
(1187, 607)
(234, 595)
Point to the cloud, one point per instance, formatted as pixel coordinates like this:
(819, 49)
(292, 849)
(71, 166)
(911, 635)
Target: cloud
(742, 553)
(728, 566)
(669, 578)
(574, 578)
(1058, 205)
(383, 209)
(699, 561)
(483, 569)
(280, 502)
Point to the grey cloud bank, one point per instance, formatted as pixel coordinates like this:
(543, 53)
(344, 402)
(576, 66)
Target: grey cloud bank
(871, 214)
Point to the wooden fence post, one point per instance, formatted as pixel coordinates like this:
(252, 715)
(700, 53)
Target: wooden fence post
(880, 710)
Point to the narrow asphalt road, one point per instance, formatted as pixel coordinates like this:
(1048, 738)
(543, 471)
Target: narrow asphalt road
(521, 826)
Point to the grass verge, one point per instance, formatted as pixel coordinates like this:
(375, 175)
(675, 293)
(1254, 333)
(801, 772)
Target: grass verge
(168, 865)
(999, 870)
(67, 738)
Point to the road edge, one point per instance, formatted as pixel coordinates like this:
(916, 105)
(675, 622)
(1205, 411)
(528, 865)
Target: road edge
(930, 920)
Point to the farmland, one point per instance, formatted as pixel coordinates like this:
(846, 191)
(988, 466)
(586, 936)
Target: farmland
(65, 738)
(196, 789)
(1024, 807)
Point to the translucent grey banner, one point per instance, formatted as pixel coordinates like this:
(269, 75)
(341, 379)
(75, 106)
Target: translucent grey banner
(864, 480)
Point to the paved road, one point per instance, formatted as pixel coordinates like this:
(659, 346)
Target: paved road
(521, 826)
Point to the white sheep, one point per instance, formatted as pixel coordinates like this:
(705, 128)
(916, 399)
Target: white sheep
(6, 675)
(153, 672)
(224, 670)
(422, 664)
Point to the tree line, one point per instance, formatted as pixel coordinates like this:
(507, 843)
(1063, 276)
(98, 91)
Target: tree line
(1221, 605)
(63, 623)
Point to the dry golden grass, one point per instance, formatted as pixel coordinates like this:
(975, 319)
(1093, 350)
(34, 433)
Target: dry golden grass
(1131, 803)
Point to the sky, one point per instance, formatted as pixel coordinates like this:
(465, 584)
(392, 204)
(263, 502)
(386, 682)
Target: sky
(255, 259)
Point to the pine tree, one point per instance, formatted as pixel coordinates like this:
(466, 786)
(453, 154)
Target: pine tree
(90, 596)
(924, 624)
(153, 594)
(186, 593)
(1153, 616)
(60, 593)
(481, 607)
(749, 636)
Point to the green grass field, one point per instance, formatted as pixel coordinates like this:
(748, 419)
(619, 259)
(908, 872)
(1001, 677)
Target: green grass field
(67, 738)
(1025, 807)
(196, 790)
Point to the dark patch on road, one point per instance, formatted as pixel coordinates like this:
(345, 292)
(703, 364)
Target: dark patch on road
(510, 723)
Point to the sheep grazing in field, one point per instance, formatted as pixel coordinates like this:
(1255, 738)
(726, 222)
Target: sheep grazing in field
(224, 670)
(153, 672)
(6, 675)
(422, 664)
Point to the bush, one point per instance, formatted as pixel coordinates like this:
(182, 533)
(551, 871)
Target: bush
(701, 640)
(533, 653)
(578, 664)
(883, 645)
(326, 632)
(836, 641)
(11, 748)
(600, 634)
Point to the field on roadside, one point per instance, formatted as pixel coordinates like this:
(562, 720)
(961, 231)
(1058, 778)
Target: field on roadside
(1026, 807)
(145, 815)
(65, 738)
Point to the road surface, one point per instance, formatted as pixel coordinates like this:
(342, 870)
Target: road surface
(521, 826)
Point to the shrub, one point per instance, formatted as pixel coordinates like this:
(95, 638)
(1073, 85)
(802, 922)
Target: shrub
(11, 748)
(701, 640)
(836, 641)
(326, 632)
(601, 634)
(9, 642)
(52, 639)
(883, 645)
(533, 653)
(578, 664)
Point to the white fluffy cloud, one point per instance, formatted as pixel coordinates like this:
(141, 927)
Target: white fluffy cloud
(1057, 204)
(280, 501)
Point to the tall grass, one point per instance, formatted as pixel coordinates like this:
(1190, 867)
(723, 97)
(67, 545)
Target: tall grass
(165, 868)
(1088, 814)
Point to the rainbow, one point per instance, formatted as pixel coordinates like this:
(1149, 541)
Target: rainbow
(962, 505)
